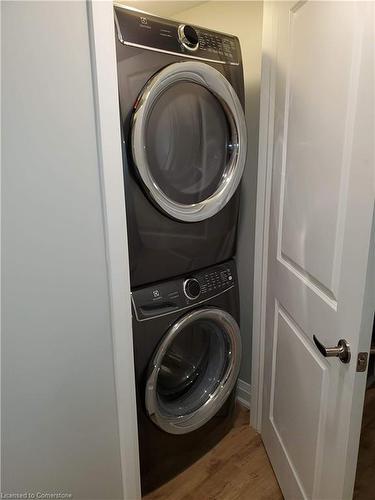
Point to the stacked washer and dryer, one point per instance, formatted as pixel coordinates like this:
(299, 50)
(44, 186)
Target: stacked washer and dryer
(181, 95)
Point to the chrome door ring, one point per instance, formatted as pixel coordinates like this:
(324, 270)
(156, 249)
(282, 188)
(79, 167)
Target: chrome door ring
(205, 75)
(183, 424)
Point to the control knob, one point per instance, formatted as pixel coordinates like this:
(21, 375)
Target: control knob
(188, 37)
(192, 288)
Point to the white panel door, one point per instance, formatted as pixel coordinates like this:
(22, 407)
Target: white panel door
(321, 210)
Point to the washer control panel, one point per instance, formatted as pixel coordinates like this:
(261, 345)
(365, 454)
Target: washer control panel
(216, 280)
(150, 32)
(170, 296)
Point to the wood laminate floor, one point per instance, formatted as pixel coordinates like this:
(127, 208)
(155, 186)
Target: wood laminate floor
(364, 484)
(236, 469)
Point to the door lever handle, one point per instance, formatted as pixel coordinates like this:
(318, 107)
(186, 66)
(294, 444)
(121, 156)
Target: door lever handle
(341, 351)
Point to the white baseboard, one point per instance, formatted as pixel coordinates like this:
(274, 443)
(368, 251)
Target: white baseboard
(244, 393)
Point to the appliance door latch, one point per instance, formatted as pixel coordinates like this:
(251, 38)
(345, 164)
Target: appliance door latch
(362, 360)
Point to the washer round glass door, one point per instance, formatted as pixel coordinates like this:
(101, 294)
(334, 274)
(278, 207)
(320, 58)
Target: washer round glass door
(193, 370)
(189, 140)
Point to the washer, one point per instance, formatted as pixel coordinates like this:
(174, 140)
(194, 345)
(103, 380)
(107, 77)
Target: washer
(187, 352)
(181, 95)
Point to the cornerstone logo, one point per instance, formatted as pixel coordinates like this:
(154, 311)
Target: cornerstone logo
(28, 495)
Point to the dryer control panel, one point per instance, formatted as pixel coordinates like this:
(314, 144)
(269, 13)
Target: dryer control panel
(143, 30)
(170, 296)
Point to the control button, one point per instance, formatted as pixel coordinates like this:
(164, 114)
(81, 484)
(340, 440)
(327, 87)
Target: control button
(188, 37)
(192, 288)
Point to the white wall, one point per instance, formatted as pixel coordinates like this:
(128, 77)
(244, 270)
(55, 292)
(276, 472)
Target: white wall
(164, 8)
(59, 417)
(243, 19)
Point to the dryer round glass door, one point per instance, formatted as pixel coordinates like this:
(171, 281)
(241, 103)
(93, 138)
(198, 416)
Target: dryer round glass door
(189, 140)
(193, 370)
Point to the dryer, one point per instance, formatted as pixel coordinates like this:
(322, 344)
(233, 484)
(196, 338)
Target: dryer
(181, 94)
(187, 352)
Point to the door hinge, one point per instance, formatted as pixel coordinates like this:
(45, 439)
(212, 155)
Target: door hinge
(362, 361)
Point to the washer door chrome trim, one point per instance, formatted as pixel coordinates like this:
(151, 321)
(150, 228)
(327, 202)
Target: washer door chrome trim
(217, 84)
(187, 423)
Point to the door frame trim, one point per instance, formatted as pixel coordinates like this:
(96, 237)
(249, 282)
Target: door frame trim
(105, 86)
(266, 121)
